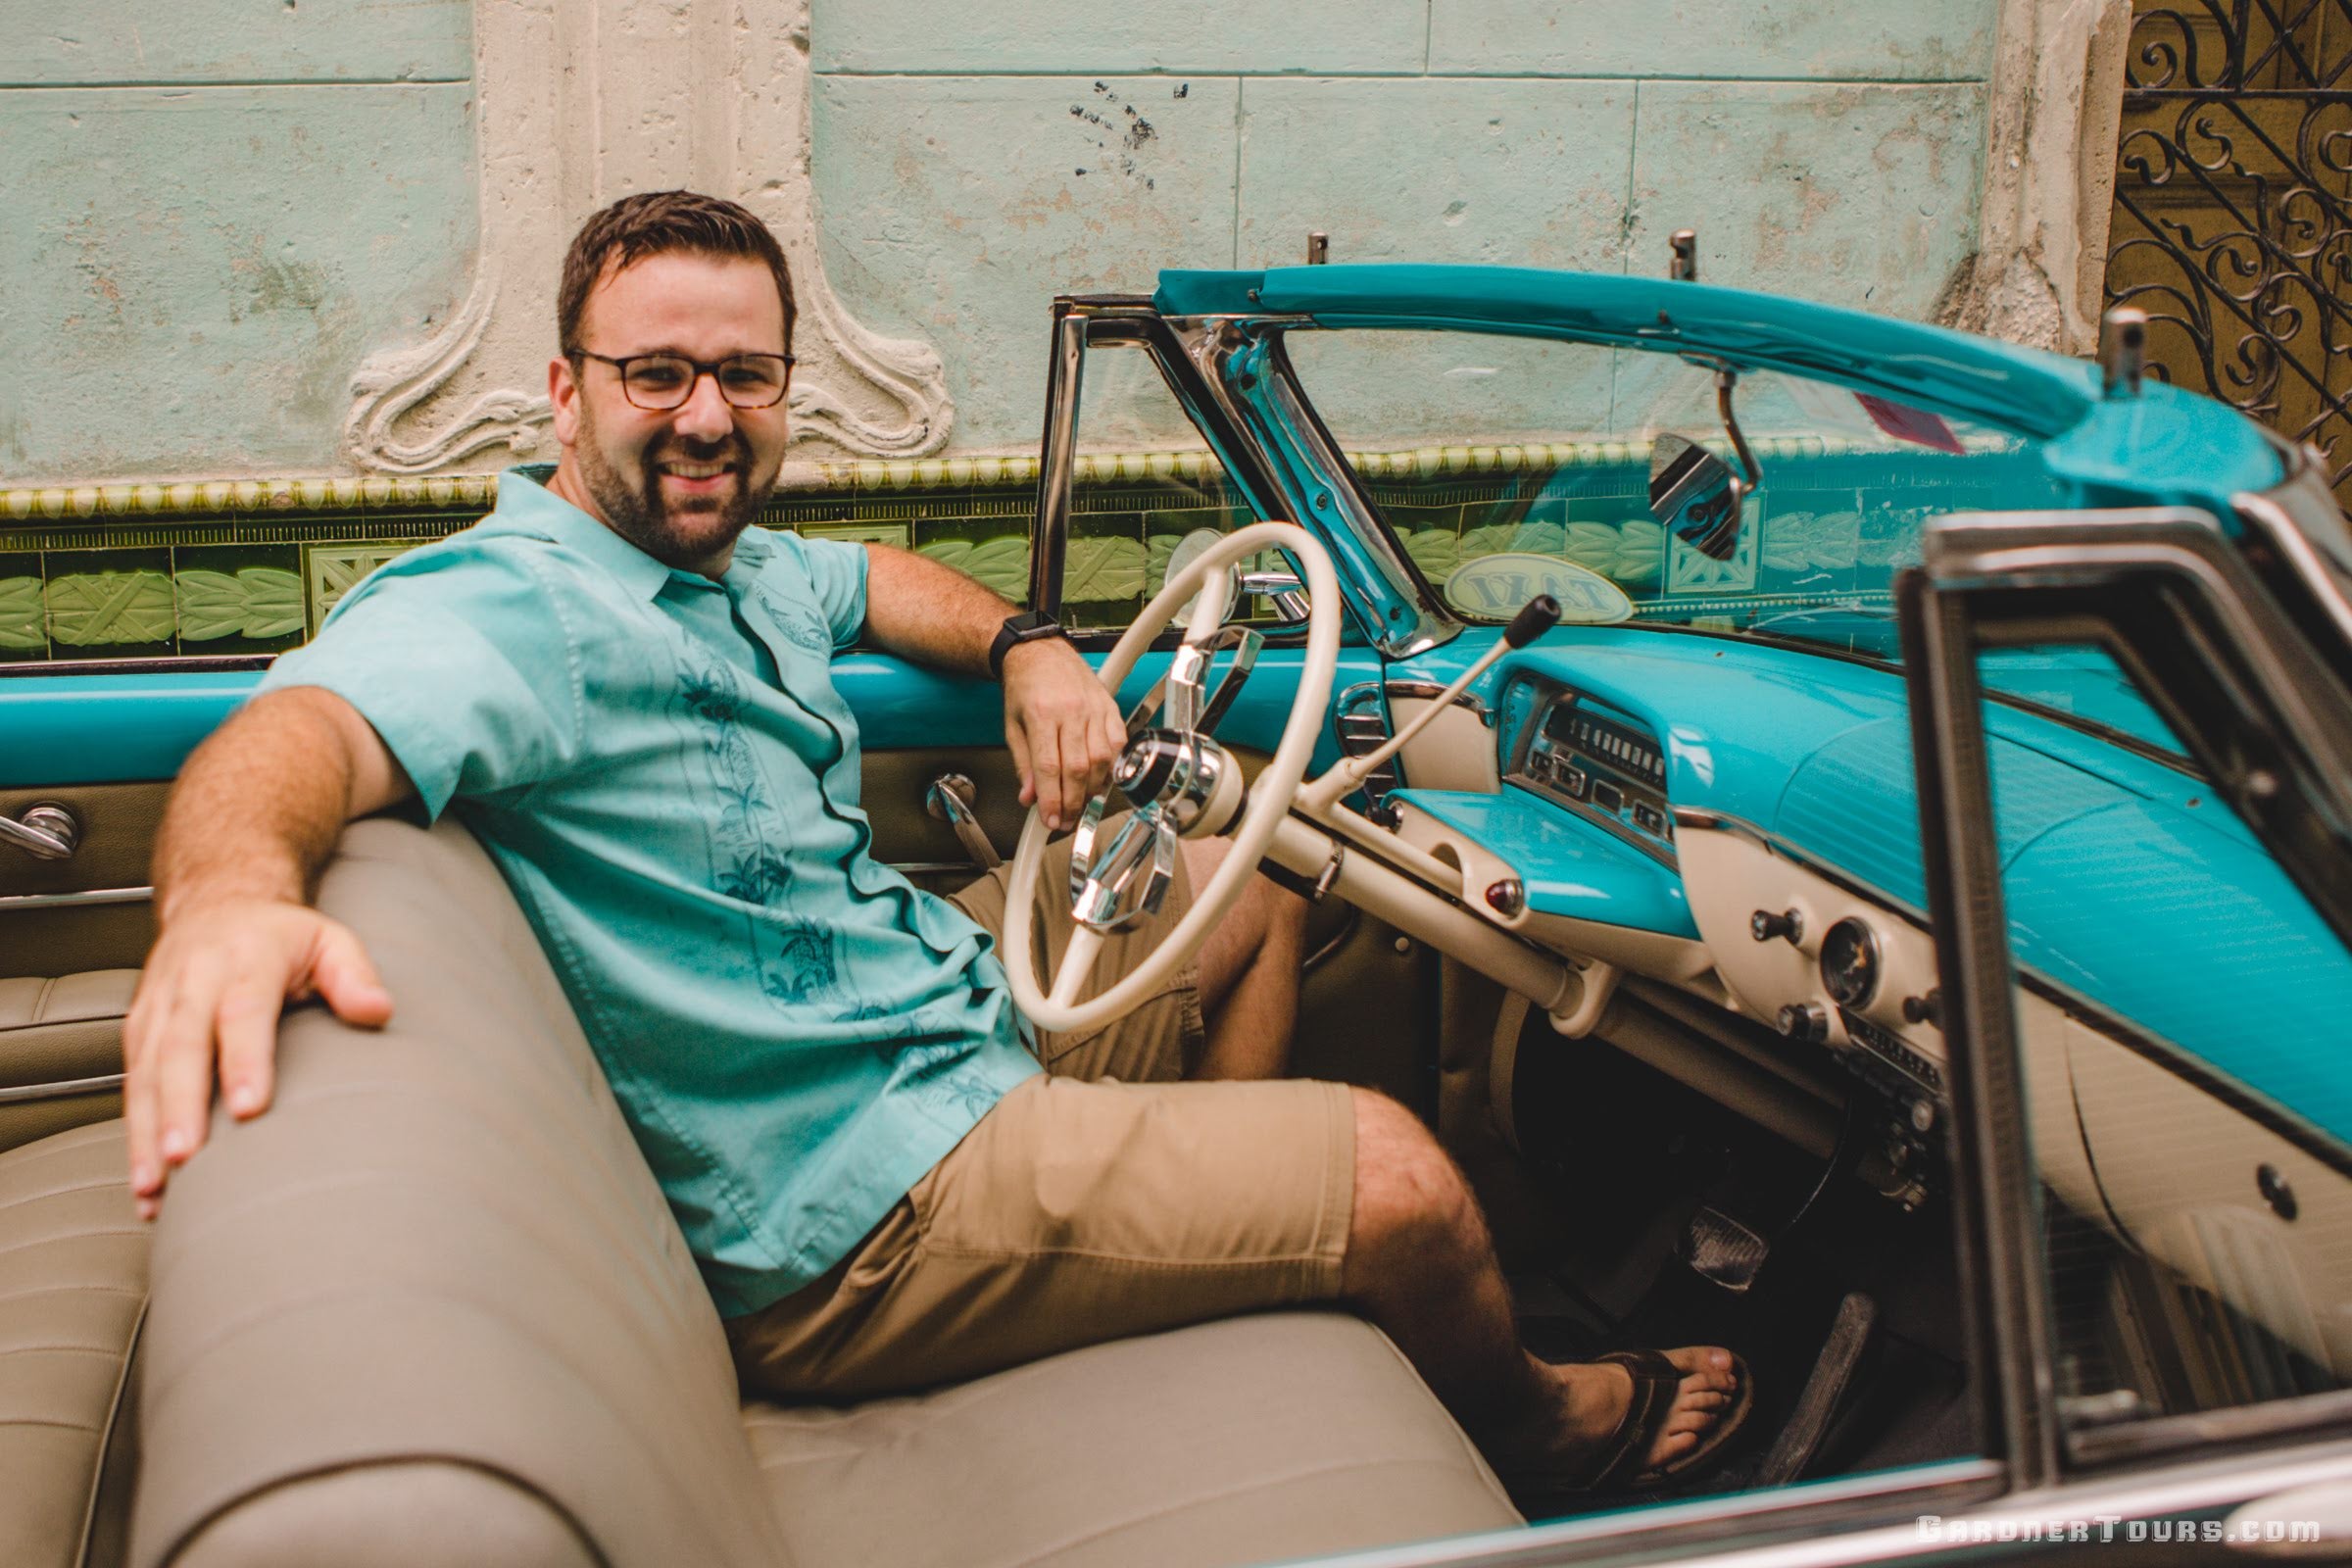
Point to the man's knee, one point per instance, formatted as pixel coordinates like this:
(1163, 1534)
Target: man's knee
(1412, 1203)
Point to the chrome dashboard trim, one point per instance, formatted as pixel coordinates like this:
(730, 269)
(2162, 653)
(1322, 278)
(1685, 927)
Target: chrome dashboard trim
(1424, 691)
(1712, 821)
(60, 900)
(1632, 839)
(65, 1090)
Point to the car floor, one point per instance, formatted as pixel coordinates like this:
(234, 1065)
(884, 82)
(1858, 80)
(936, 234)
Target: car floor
(1622, 1157)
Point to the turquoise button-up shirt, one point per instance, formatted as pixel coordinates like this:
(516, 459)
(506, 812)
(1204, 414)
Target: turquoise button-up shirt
(662, 768)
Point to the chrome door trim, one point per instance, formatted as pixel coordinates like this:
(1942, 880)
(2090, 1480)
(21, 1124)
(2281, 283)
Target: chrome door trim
(2296, 718)
(1996, 1206)
(1670, 1530)
(60, 901)
(60, 1090)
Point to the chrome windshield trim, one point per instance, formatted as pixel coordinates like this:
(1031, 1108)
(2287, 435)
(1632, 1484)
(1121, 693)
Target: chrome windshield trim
(60, 900)
(2271, 520)
(1247, 386)
(65, 1090)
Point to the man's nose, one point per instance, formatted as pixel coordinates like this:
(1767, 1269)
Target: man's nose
(705, 414)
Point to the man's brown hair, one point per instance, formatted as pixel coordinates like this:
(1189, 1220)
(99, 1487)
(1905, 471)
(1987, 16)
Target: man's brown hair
(654, 224)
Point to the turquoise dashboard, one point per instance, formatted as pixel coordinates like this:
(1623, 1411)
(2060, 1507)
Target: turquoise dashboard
(2119, 869)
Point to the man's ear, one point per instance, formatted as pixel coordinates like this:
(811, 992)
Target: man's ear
(564, 396)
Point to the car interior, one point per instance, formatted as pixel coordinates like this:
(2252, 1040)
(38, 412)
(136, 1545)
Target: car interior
(1627, 902)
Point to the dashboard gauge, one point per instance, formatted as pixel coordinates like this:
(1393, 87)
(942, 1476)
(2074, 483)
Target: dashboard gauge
(1849, 963)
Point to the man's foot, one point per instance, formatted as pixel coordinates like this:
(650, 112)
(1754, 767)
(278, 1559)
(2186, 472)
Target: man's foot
(1605, 1429)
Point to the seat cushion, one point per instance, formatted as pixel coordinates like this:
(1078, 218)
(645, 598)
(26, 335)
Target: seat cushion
(73, 1284)
(1251, 1439)
(58, 1030)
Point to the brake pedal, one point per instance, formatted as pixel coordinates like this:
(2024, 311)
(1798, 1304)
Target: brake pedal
(1724, 1250)
(1825, 1391)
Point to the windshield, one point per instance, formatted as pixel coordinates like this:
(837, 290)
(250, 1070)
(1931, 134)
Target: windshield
(1483, 451)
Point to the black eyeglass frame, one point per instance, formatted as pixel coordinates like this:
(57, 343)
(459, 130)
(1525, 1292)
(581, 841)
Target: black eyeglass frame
(701, 368)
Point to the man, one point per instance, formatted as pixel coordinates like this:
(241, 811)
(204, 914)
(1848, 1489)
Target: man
(626, 696)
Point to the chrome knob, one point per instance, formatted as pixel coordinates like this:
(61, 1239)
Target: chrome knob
(1805, 1020)
(1764, 925)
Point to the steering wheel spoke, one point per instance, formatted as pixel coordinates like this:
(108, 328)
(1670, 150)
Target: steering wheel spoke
(1121, 872)
(1077, 962)
(1117, 883)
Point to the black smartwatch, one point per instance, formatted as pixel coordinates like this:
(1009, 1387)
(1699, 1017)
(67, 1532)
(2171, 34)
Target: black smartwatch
(1029, 626)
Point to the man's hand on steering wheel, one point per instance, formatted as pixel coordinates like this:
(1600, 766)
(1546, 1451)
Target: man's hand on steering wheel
(1064, 726)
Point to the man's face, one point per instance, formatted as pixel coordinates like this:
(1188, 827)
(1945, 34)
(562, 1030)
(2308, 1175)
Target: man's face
(681, 483)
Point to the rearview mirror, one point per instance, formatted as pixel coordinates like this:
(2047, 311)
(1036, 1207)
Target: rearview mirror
(1695, 496)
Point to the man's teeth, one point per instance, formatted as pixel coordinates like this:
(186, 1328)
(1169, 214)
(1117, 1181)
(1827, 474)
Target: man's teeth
(695, 470)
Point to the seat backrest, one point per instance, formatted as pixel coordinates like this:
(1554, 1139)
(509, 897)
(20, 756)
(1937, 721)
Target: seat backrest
(435, 1280)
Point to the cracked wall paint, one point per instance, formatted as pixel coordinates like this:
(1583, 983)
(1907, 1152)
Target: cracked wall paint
(236, 250)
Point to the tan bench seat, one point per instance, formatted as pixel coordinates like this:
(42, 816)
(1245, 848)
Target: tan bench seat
(434, 1308)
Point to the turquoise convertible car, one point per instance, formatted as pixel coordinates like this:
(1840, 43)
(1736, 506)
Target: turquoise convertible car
(1844, 828)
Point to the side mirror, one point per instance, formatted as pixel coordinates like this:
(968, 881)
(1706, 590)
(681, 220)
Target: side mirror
(1695, 496)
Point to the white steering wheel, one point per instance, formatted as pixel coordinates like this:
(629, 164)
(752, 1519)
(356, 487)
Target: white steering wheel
(1197, 788)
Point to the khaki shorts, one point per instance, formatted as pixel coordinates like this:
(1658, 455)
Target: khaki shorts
(1099, 1200)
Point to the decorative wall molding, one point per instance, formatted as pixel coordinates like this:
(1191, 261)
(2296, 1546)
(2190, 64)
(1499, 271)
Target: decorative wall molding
(578, 102)
(2057, 104)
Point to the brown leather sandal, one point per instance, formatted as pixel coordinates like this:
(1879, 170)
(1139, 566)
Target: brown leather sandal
(1656, 1383)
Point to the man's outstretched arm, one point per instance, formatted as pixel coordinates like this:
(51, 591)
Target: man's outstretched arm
(251, 824)
(1063, 727)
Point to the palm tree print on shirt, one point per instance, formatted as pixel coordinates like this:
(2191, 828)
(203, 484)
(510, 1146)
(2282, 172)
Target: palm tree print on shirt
(797, 958)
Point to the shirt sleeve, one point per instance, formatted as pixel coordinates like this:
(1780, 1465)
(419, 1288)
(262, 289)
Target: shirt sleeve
(464, 664)
(836, 569)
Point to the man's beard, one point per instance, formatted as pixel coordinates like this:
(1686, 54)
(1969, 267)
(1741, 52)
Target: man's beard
(677, 535)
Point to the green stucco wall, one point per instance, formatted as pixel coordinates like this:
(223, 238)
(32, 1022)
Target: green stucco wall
(216, 208)
(209, 210)
(966, 173)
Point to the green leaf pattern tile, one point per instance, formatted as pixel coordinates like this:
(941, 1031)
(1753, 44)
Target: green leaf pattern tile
(255, 602)
(1436, 550)
(20, 614)
(1001, 564)
(1630, 553)
(1102, 571)
(104, 608)
(1803, 541)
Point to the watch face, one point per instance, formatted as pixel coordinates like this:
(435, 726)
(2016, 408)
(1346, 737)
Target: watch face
(1029, 623)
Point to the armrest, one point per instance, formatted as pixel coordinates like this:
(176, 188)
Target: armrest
(439, 1247)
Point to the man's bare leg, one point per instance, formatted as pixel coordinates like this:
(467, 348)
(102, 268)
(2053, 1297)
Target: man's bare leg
(1420, 1265)
(1249, 974)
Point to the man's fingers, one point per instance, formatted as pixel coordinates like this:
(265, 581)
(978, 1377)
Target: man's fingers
(1110, 739)
(140, 1132)
(1017, 740)
(1047, 779)
(247, 1023)
(181, 1064)
(346, 977)
(1076, 766)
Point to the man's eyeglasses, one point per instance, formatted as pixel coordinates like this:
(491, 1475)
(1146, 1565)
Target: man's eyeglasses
(659, 383)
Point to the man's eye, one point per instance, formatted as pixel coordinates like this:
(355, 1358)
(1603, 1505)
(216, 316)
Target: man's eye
(658, 378)
(750, 378)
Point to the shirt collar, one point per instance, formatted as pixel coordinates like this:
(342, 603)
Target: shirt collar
(526, 506)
